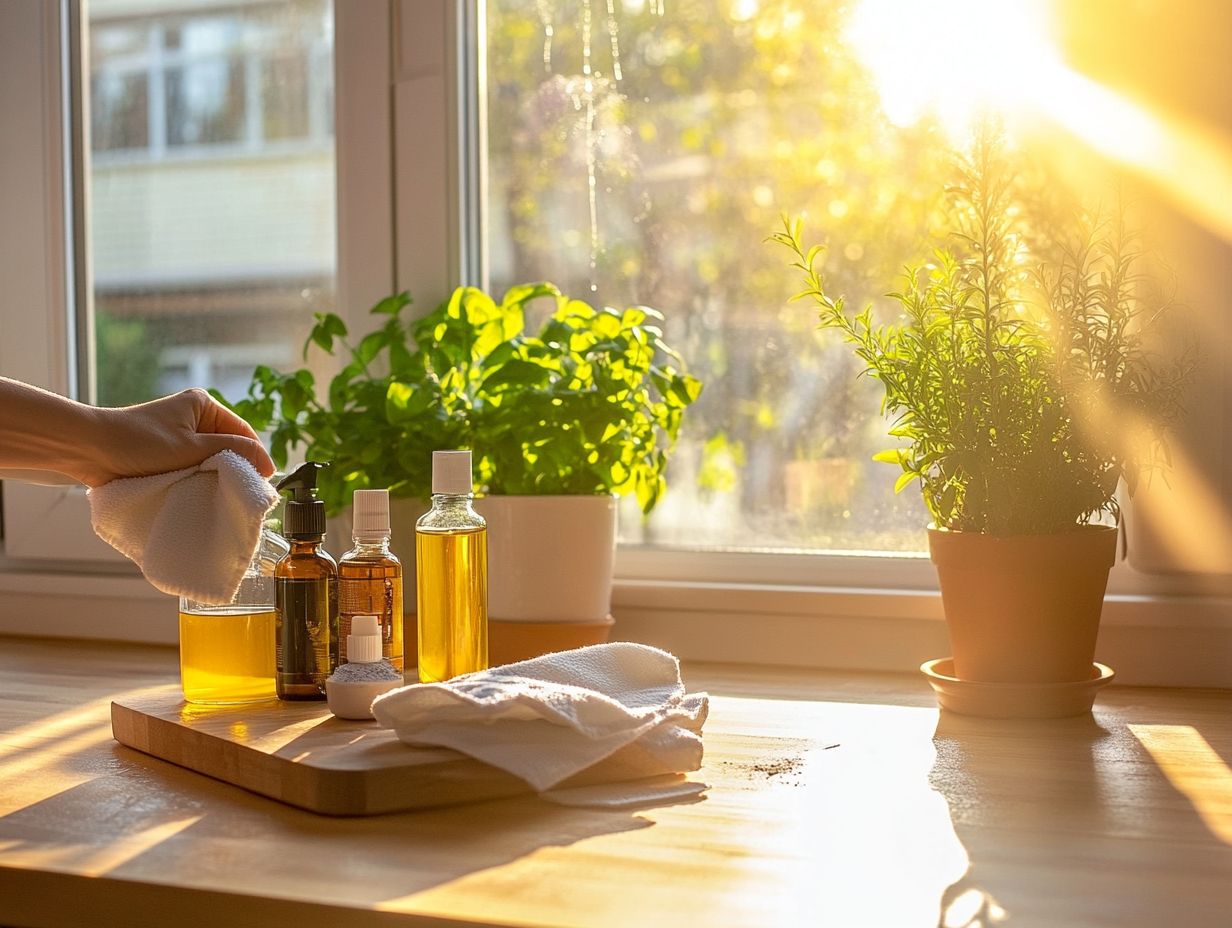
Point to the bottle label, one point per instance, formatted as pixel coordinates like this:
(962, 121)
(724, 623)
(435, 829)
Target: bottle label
(306, 618)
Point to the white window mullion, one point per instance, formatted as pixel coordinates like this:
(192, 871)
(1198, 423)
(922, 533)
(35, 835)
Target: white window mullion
(363, 139)
(427, 150)
(157, 92)
(254, 125)
(316, 62)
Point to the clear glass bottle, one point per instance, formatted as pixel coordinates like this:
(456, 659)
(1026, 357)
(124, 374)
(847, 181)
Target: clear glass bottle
(451, 560)
(370, 577)
(227, 651)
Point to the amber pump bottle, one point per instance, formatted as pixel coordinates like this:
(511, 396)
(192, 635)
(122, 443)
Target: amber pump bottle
(305, 594)
(370, 577)
(451, 561)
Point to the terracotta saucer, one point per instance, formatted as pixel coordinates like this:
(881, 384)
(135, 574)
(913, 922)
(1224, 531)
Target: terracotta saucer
(1013, 700)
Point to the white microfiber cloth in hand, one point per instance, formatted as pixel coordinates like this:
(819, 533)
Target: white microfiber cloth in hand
(546, 719)
(192, 532)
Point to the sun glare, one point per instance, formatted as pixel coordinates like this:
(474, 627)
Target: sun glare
(957, 59)
(952, 58)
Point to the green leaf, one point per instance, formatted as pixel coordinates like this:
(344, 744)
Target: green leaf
(392, 305)
(903, 480)
(892, 456)
(370, 346)
(575, 311)
(328, 327)
(686, 389)
(405, 403)
(607, 324)
(633, 316)
(523, 293)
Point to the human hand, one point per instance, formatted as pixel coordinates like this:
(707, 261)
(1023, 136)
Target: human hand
(168, 434)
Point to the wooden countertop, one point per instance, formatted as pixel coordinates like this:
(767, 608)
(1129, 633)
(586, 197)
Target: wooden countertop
(836, 799)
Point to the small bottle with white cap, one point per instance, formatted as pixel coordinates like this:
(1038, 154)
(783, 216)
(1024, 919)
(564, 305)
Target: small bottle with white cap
(370, 576)
(366, 675)
(451, 566)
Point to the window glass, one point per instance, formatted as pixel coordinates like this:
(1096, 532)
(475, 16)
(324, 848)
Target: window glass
(642, 152)
(285, 97)
(212, 178)
(205, 102)
(120, 110)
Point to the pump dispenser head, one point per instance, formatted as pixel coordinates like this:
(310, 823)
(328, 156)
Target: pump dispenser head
(451, 473)
(304, 519)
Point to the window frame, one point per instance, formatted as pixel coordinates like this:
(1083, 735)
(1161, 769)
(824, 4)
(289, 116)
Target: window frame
(47, 527)
(411, 215)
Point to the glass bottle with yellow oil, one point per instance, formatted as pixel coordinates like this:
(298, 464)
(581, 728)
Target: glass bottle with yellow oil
(370, 577)
(227, 651)
(305, 593)
(451, 562)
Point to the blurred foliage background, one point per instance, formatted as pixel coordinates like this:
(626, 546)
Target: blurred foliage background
(642, 151)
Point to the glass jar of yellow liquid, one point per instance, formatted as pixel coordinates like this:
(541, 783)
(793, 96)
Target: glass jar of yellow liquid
(227, 651)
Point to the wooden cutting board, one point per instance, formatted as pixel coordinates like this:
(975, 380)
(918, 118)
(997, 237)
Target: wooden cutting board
(298, 753)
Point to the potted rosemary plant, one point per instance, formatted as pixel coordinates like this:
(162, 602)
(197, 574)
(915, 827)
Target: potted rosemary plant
(1022, 389)
(561, 420)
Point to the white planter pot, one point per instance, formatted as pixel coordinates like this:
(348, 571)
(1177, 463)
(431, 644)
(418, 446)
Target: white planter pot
(550, 558)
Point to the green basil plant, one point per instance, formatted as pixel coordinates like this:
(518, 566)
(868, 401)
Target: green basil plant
(591, 403)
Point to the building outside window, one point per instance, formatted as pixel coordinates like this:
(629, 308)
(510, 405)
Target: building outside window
(211, 168)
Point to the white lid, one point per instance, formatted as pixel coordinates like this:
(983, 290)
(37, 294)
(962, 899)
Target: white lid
(370, 513)
(451, 472)
(364, 642)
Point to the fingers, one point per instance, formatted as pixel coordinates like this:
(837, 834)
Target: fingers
(220, 429)
(214, 417)
(251, 450)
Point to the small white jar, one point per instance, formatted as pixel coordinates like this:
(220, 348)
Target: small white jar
(351, 688)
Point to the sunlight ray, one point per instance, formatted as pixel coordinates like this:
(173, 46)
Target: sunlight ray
(1195, 769)
(1190, 166)
(55, 727)
(99, 859)
(1188, 515)
(1010, 63)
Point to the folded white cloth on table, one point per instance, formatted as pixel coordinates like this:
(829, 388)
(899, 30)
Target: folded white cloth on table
(628, 794)
(192, 532)
(551, 717)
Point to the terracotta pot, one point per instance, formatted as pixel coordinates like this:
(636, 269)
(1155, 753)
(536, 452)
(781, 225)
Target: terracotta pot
(1023, 608)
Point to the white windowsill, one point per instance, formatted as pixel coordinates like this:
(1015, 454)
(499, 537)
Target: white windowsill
(1151, 640)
